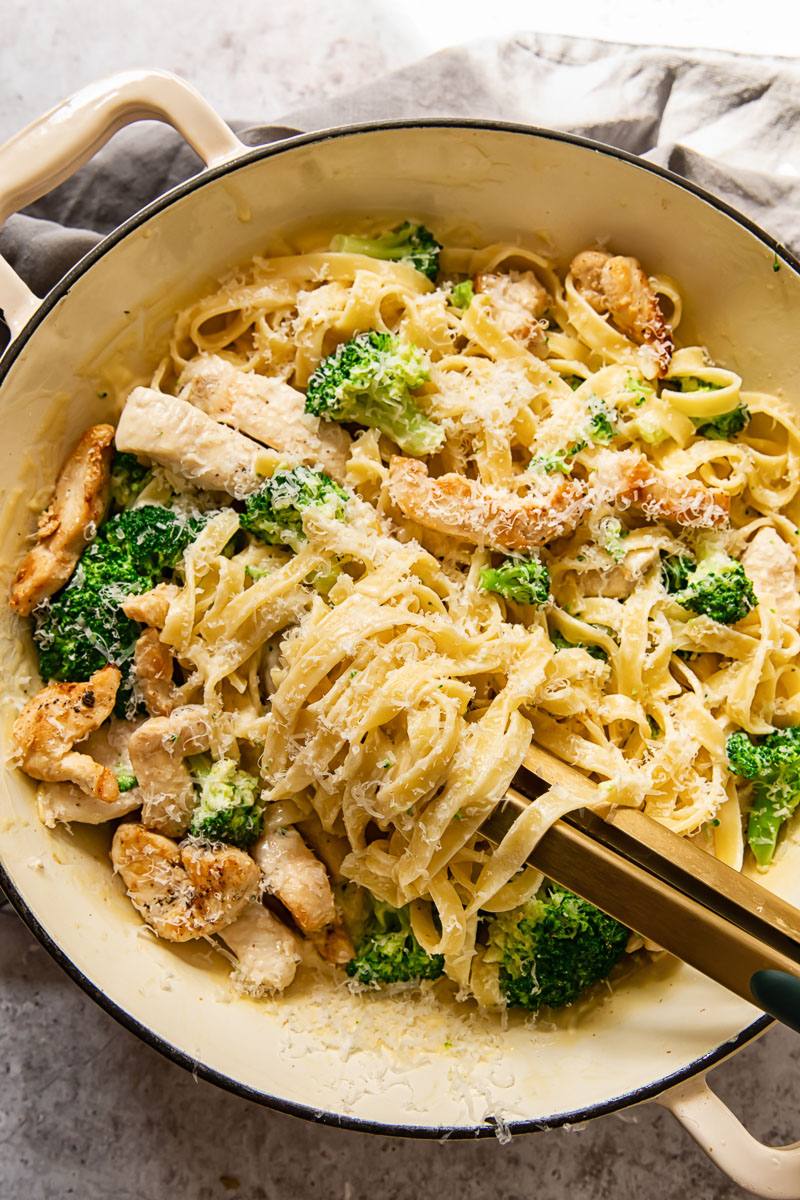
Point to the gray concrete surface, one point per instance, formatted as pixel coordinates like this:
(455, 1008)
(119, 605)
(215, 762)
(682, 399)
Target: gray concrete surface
(86, 1109)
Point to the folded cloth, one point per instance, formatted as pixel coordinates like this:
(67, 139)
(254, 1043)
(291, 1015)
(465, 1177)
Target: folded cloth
(725, 121)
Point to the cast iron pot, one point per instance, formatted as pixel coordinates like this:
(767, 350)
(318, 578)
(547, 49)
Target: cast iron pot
(353, 1061)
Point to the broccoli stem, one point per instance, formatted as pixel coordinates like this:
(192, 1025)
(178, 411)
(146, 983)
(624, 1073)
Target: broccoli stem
(769, 812)
(406, 425)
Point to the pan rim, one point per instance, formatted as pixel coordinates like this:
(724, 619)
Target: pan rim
(490, 1127)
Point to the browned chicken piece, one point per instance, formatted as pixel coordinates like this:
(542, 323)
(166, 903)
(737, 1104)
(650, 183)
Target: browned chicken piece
(183, 892)
(333, 944)
(331, 848)
(65, 802)
(296, 876)
(268, 410)
(618, 286)
(151, 608)
(771, 566)
(518, 300)
(57, 717)
(483, 514)
(153, 664)
(69, 524)
(267, 953)
(175, 434)
(157, 749)
(635, 481)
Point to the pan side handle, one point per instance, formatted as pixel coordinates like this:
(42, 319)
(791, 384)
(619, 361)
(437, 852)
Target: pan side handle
(52, 148)
(770, 1171)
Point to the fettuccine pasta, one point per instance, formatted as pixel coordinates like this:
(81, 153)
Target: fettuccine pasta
(367, 671)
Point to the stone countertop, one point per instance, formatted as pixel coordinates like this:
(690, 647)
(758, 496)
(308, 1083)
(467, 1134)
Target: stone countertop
(88, 1110)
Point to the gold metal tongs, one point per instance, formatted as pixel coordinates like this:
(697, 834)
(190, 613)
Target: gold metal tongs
(663, 887)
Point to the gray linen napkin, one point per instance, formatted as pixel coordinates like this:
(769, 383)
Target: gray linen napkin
(728, 122)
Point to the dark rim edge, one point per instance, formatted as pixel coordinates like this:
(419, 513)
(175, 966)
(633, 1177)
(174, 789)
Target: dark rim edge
(488, 1128)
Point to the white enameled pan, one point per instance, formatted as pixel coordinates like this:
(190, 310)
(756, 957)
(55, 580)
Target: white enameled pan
(349, 1061)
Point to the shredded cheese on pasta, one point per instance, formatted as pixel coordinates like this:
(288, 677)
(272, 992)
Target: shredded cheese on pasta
(395, 707)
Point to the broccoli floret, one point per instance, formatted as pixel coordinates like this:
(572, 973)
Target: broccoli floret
(228, 808)
(552, 948)
(712, 584)
(773, 763)
(148, 540)
(275, 512)
(676, 570)
(691, 383)
(611, 536)
(126, 780)
(600, 426)
(462, 294)
(641, 390)
(561, 643)
(83, 627)
(725, 426)
(128, 478)
(388, 952)
(525, 580)
(367, 381)
(550, 464)
(413, 244)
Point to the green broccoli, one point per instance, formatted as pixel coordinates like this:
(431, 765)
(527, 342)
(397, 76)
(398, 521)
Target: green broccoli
(641, 390)
(550, 464)
(712, 584)
(611, 536)
(773, 763)
(228, 809)
(462, 294)
(367, 381)
(691, 383)
(525, 580)
(83, 627)
(408, 243)
(275, 512)
(387, 951)
(552, 948)
(128, 478)
(126, 780)
(725, 426)
(561, 643)
(722, 427)
(600, 427)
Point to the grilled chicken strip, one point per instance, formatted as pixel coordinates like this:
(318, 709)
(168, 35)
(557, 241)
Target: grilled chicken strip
(153, 664)
(296, 876)
(770, 564)
(267, 953)
(518, 300)
(57, 717)
(69, 524)
(151, 608)
(486, 515)
(177, 435)
(157, 750)
(629, 478)
(617, 286)
(183, 892)
(268, 410)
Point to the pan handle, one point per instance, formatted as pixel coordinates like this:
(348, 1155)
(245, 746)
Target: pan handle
(771, 1171)
(52, 148)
